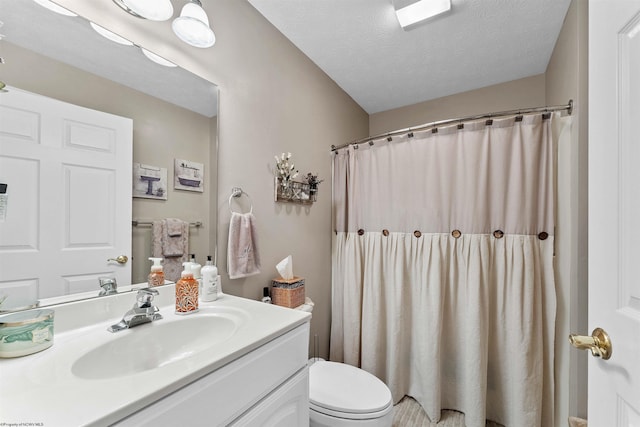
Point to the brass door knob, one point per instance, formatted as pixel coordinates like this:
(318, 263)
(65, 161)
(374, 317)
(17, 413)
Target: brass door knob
(122, 259)
(599, 343)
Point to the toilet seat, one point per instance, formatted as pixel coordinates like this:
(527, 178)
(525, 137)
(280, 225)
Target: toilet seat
(344, 391)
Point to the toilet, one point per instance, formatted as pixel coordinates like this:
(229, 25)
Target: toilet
(342, 395)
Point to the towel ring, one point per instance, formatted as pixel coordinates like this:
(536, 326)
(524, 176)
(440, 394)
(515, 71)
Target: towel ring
(237, 192)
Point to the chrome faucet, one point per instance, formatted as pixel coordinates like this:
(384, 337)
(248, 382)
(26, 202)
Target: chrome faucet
(108, 285)
(143, 311)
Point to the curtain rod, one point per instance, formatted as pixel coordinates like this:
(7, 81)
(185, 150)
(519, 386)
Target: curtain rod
(568, 107)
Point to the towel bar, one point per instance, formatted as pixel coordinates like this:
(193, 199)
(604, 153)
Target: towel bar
(136, 223)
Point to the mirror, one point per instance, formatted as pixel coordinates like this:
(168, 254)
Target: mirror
(174, 117)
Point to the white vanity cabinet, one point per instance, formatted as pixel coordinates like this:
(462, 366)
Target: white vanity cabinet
(268, 386)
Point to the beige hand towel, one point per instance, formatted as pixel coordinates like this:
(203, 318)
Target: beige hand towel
(172, 265)
(577, 422)
(174, 227)
(173, 245)
(243, 258)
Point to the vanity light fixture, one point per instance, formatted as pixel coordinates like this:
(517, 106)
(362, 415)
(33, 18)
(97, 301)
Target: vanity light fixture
(110, 35)
(153, 10)
(192, 26)
(55, 8)
(411, 12)
(157, 59)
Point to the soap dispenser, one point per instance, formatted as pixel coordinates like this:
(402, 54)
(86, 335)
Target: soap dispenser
(186, 291)
(156, 276)
(196, 270)
(209, 281)
(265, 295)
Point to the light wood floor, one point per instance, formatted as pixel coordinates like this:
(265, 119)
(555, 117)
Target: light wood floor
(409, 413)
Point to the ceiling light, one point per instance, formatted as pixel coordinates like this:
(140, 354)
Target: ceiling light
(157, 59)
(192, 26)
(411, 12)
(110, 35)
(153, 10)
(54, 7)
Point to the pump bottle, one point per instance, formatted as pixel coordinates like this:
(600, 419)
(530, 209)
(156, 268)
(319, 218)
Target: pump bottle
(186, 291)
(156, 276)
(209, 281)
(196, 270)
(265, 295)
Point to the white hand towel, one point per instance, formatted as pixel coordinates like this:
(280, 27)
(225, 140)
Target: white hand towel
(243, 258)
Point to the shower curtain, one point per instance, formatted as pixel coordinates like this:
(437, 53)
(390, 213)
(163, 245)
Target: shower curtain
(442, 278)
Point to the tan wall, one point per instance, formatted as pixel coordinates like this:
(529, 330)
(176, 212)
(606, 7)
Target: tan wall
(522, 93)
(567, 74)
(161, 132)
(272, 99)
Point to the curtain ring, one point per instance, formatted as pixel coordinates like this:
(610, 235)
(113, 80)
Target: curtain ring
(385, 232)
(498, 234)
(360, 232)
(456, 234)
(543, 235)
(417, 233)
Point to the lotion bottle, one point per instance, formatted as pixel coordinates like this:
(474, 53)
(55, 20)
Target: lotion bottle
(209, 281)
(265, 295)
(196, 270)
(186, 291)
(156, 276)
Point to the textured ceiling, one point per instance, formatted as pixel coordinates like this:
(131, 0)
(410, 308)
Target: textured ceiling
(361, 46)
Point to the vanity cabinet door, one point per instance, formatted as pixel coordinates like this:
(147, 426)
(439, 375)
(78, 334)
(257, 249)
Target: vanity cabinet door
(288, 406)
(232, 392)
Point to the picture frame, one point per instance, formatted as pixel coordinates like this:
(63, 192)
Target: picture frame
(150, 182)
(188, 175)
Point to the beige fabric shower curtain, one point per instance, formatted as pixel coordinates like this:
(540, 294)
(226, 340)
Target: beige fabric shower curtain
(443, 280)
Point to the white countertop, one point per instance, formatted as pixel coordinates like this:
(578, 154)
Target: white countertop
(41, 388)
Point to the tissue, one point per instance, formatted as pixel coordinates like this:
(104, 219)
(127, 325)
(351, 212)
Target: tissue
(285, 268)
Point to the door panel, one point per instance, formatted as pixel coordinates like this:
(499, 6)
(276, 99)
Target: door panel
(69, 207)
(614, 208)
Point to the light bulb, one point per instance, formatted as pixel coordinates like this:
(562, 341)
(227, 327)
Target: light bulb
(157, 59)
(192, 26)
(110, 35)
(153, 10)
(54, 7)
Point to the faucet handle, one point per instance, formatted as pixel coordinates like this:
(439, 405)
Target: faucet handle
(108, 285)
(145, 297)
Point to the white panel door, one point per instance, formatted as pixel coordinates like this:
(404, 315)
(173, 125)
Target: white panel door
(614, 209)
(68, 175)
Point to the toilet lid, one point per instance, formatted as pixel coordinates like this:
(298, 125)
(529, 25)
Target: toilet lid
(344, 388)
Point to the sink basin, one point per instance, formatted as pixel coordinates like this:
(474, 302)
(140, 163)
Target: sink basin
(154, 345)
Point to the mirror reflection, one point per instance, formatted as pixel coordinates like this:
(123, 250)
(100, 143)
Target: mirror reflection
(95, 136)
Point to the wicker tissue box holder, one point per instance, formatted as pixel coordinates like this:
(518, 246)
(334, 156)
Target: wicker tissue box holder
(288, 292)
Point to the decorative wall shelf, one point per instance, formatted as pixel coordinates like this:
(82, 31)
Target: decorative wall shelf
(295, 192)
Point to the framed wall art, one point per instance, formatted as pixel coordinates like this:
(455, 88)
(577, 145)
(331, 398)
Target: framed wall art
(188, 175)
(149, 182)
